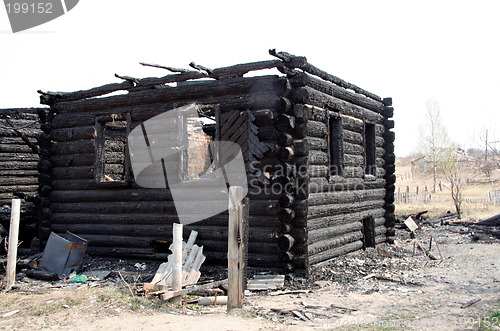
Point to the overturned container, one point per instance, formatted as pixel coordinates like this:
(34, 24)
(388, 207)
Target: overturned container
(63, 254)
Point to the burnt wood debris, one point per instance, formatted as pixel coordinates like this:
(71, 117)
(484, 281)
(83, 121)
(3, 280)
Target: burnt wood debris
(319, 155)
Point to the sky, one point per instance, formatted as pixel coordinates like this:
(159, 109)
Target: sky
(448, 51)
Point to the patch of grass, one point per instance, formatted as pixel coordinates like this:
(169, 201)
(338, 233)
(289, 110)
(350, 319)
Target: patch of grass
(46, 309)
(71, 302)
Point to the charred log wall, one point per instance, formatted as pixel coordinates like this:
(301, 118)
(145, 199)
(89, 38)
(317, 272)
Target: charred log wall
(19, 130)
(343, 196)
(123, 219)
(19, 134)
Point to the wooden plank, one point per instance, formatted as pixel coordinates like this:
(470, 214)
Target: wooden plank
(13, 239)
(177, 261)
(266, 282)
(235, 249)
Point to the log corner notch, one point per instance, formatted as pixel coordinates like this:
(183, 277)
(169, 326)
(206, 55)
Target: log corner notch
(45, 175)
(293, 151)
(390, 167)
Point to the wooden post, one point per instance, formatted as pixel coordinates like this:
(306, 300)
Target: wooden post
(177, 258)
(15, 213)
(235, 253)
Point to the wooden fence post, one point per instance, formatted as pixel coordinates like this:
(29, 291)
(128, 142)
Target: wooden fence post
(15, 213)
(236, 249)
(177, 258)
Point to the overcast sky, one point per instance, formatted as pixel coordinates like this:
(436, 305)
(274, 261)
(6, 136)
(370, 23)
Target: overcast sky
(411, 51)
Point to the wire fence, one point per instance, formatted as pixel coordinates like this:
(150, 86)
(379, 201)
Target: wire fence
(426, 196)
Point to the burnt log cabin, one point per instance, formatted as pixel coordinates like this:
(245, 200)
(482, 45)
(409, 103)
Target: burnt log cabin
(19, 132)
(318, 151)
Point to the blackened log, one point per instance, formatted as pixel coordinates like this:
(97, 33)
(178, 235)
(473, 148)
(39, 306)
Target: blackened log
(15, 141)
(74, 147)
(286, 256)
(211, 237)
(239, 70)
(263, 117)
(300, 130)
(389, 136)
(19, 173)
(300, 207)
(284, 105)
(116, 207)
(115, 195)
(328, 198)
(285, 123)
(334, 252)
(285, 154)
(268, 132)
(303, 79)
(286, 200)
(74, 172)
(316, 129)
(72, 160)
(318, 158)
(335, 242)
(352, 181)
(311, 96)
(76, 133)
(389, 124)
(95, 240)
(286, 215)
(318, 171)
(354, 160)
(286, 242)
(301, 63)
(317, 224)
(217, 91)
(49, 98)
(335, 209)
(20, 165)
(264, 208)
(284, 139)
(302, 113)
(16, 157)
(352, 137)
(18, 181)
(317, 143)
(285, 227)
(301, 147)
(334, 231)
(388, 112)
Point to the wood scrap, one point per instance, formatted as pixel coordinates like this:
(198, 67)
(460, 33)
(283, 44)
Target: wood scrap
(470, 303)
(192, 259)
(266, 282)
(289, 292)
(343, 308)
(215, 300)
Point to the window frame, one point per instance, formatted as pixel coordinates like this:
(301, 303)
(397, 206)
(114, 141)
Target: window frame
(335, 146)
(369, 139)
(99, 165)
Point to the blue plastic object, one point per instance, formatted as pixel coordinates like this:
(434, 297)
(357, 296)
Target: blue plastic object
(63, 254)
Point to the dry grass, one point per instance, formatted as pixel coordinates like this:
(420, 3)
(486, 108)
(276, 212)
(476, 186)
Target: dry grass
(441, 202)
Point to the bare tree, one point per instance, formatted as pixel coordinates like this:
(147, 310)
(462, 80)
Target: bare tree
(454, 172)
(435, 142)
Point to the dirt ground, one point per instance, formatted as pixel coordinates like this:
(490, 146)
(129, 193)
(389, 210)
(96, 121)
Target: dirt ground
(383, 288)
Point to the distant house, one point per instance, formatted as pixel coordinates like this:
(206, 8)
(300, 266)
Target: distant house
(327, 141)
